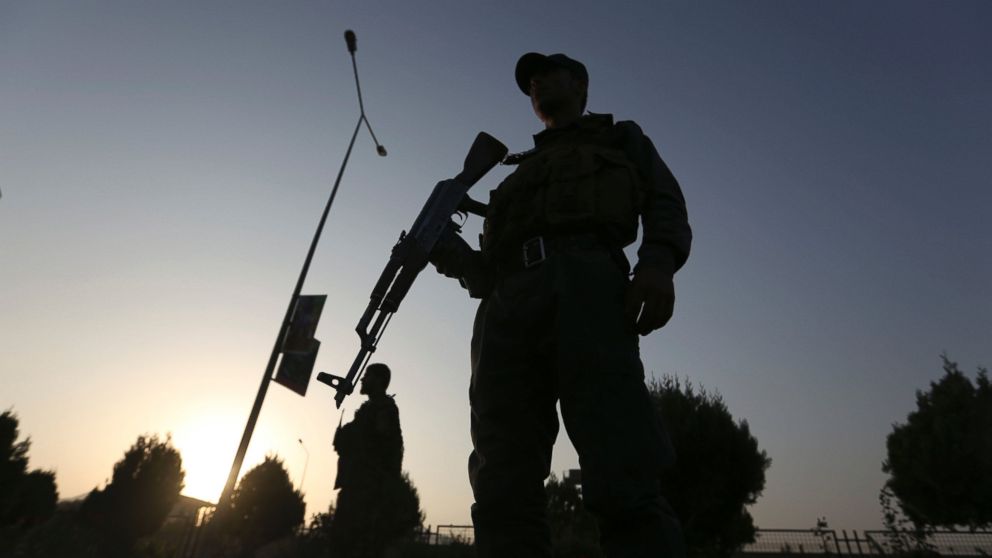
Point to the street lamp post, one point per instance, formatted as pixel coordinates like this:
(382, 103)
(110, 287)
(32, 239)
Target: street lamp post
(225, 496)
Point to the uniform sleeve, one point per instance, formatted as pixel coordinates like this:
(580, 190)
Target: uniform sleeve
(666, 237)
(391, 440)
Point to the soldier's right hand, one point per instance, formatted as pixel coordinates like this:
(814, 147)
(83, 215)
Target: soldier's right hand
(448, 255)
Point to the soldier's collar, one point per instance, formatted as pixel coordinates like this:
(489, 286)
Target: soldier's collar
(590, 121)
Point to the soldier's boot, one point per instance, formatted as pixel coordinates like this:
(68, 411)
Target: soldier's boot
(502, 530)
(653, 532)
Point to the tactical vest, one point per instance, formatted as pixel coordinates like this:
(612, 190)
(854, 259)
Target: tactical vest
(578, 184)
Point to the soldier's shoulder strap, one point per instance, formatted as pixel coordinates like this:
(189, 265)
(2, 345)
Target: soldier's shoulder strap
(629, 126)
(631, 138)
(517, 158)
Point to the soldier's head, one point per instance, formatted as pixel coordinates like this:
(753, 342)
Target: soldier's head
(557, 85)
(376, 379)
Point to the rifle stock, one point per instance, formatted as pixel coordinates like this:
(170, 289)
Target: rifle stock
(410, 255)
(486, 152)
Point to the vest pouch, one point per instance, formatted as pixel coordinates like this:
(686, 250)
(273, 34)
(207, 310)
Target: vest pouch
(516, 207)
(570, 196)
(591, 184)
(619, 194)
(569, 188)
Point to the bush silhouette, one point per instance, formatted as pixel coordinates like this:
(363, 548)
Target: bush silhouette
(573, 528)
(375, 519)
(939, 460)
(718, 472)
(144, 488)
(26, 498)
(264, 507)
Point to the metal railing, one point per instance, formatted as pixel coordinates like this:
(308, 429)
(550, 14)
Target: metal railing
(945, 543)
(796, 542)
(867, 543)
(793, 541)
(452, 534)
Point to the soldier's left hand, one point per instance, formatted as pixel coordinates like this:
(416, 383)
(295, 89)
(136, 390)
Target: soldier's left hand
(650, 299)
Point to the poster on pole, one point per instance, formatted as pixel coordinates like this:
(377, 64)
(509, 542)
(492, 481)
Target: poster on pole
(299, 348)
(295, 368)
(303, 324)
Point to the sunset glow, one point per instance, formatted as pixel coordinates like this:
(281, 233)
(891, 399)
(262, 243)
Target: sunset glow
(207, 451)
(165, 165)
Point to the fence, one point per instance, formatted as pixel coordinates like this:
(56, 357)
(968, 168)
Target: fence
(945, 543)
(793, 541)
(868, 543)
(809, 541)
(451, 534)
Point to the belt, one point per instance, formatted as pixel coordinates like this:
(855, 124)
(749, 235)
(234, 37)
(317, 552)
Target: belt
(535, 251)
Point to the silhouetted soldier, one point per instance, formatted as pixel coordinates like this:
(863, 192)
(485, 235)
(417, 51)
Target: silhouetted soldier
(370, 457)
(559, 320)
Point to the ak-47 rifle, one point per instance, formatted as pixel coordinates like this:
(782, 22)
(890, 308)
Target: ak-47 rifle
(412, 252)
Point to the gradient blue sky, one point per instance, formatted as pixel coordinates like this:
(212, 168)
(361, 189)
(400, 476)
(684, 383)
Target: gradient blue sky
(164, 165)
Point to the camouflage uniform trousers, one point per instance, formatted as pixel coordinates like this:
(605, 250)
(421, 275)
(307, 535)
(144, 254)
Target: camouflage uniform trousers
(557, 332)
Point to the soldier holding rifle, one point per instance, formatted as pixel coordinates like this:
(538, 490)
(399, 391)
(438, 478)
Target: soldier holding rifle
(370, 458)
(559, 320)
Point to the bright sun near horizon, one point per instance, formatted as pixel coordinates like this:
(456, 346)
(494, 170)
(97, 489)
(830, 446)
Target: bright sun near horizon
(204, 443)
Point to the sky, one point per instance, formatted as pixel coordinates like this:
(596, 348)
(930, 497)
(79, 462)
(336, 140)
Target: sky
(164, 165)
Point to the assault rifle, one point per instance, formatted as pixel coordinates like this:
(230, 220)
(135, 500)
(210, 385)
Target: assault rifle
(411, 252)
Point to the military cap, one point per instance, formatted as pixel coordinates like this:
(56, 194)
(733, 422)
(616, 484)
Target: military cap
(533, 62)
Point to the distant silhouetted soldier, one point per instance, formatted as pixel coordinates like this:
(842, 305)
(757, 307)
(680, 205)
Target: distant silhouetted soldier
(559, 321)
(370, 459)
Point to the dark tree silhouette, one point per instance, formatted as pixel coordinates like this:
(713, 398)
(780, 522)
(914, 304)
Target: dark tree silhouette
(573, 528)
(319, 528)
(405, 516)
(144, 488)
(939, 460)
(26, 498)
(13, 454)
(380, 516)
(718, 472)
(264, 507)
